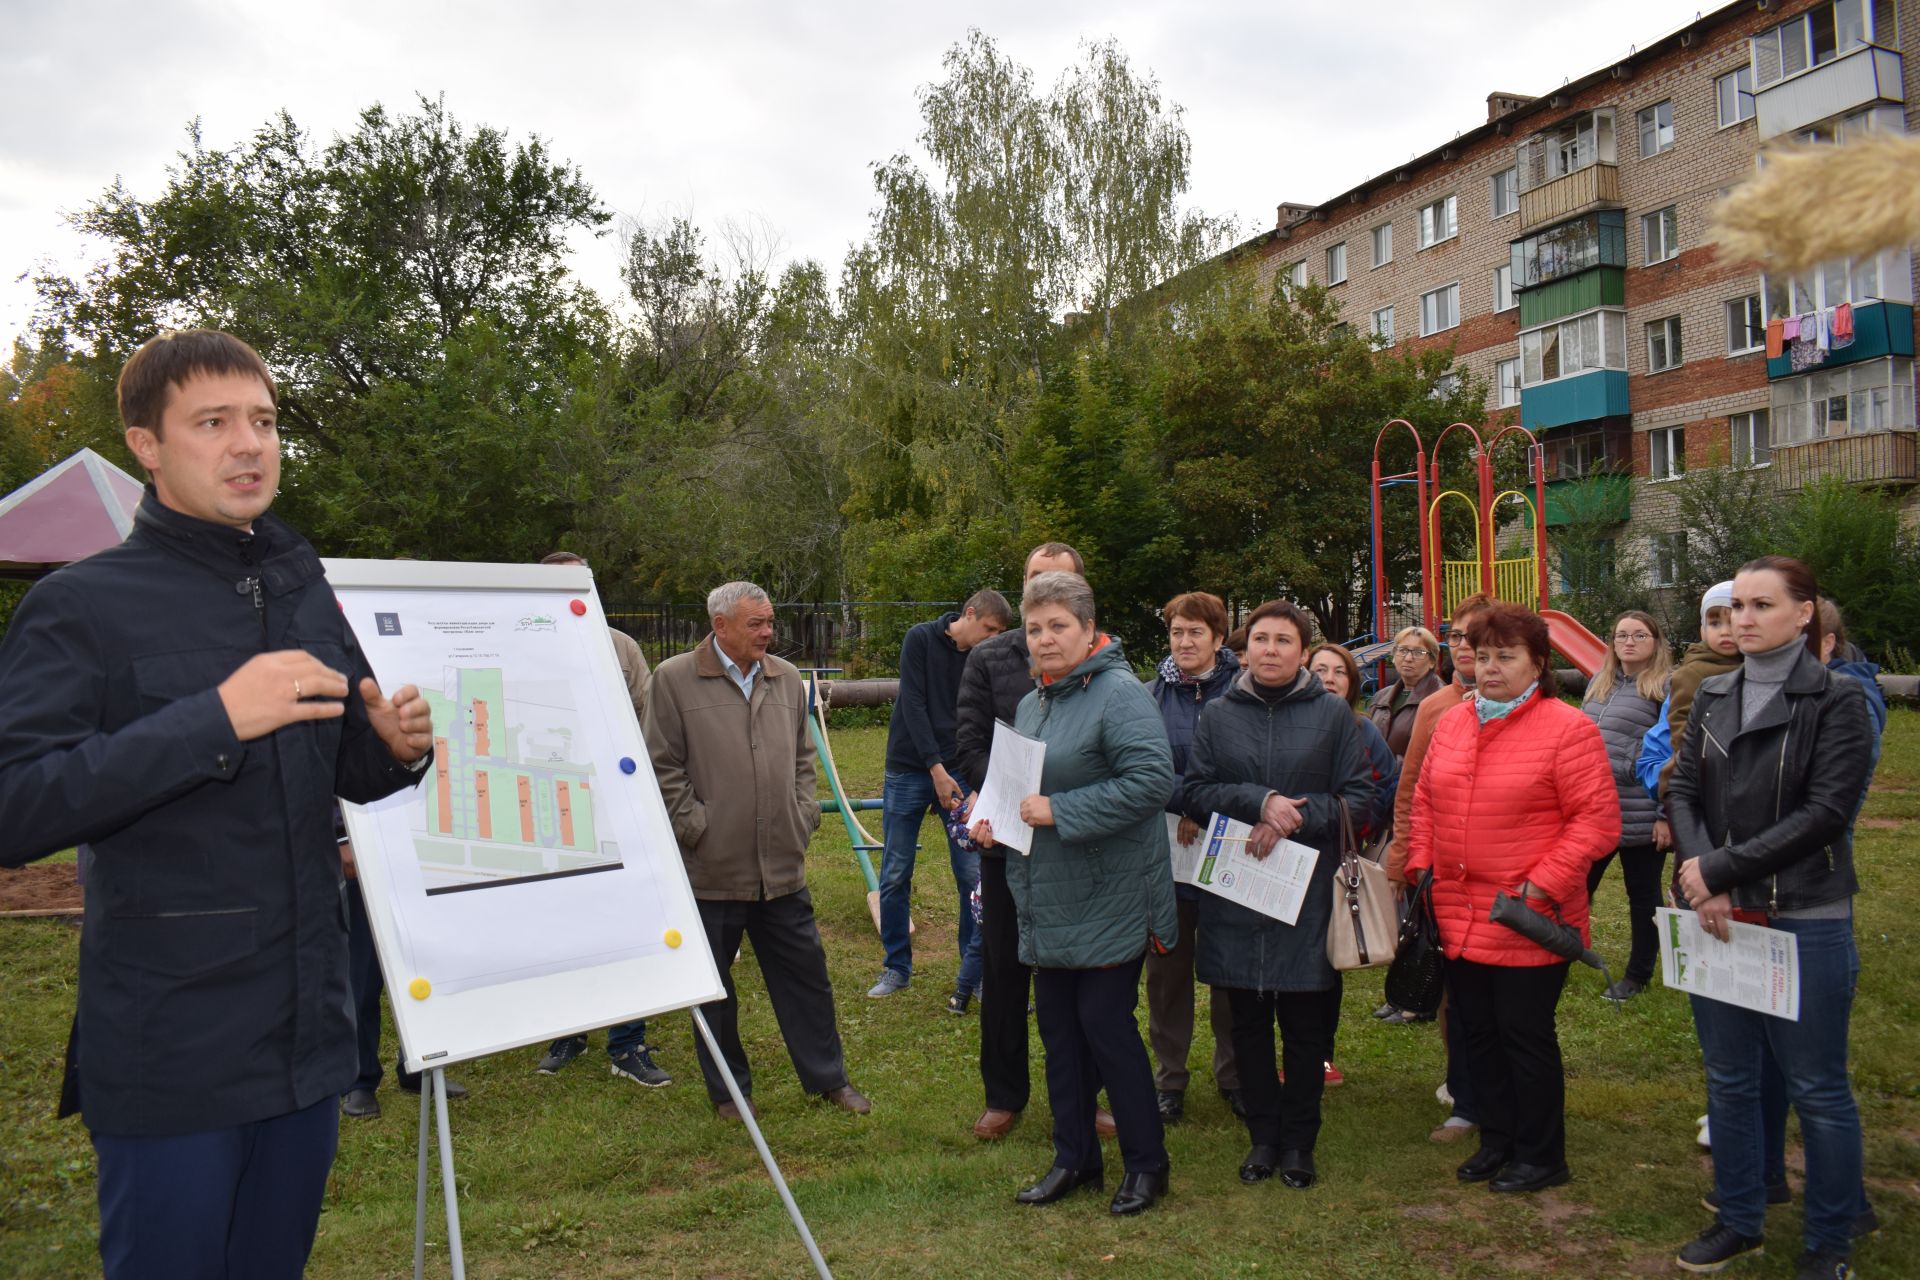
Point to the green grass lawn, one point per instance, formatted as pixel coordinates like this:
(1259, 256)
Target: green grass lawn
(583, 1175)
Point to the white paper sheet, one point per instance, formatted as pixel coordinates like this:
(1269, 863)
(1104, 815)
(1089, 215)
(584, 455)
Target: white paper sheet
(1186, 857)
(1013, 774)
(1274, 886)
(1756, 968)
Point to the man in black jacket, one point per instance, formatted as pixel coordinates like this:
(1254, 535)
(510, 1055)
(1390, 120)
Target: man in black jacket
(996, 677)
(921, 764)
(189, 704)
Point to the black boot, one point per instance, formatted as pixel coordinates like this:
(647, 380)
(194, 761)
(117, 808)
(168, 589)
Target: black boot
(1057, 1184)
(1138, 1191)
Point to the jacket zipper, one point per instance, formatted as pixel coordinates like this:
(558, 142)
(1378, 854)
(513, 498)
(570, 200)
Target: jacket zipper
(1779, 782)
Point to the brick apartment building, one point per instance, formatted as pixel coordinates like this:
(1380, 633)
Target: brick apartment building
(1562, 249)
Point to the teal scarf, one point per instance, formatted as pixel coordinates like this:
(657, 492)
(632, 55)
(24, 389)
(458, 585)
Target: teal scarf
(1487, 709)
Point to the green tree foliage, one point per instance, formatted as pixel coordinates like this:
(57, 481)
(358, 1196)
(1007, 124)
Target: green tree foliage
(1596, 577)
(406, 282)
(1272, 407)
(1852, 539)
(1731, 515)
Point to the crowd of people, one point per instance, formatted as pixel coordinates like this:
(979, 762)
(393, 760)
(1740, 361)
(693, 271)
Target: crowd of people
(199, 751)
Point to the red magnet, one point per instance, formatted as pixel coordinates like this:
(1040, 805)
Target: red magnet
(579, 608)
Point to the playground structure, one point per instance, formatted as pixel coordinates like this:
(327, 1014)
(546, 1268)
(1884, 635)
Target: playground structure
(864, 845)
(1444, 583)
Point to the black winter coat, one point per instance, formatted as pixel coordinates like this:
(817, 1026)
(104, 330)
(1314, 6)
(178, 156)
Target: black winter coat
(1768, 807)
(213, 962)
(997, 675)
(1305, 743)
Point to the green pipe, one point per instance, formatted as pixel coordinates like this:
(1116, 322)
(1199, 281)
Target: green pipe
(833, 806)
(840, 804)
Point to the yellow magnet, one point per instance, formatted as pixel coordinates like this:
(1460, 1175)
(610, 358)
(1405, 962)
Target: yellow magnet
(673, 937)
(419, 988)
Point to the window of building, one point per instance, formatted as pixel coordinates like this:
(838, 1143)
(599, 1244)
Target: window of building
(1582, 453)
(1297, 275)
(1439, 310)
(1669, 558)
(1506, 192)
(1752, 438)
(1506, 376)
(1746, 325)
(1666, 453)
(1337, 263)
(1439, 221)
(1579, 344)
(1503, 299)
(1660, 234)
(1878, 277)
(1734, 94)
(1663, 345)
(1383, 244)
(1444, 386)
(1586, 565)
(1383, 324)
(1656, 128)
(1870, 396)
(1566, 148)
(1818, 36)
(1596, 240)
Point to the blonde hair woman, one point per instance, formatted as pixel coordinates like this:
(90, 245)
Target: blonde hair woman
(1416, 661)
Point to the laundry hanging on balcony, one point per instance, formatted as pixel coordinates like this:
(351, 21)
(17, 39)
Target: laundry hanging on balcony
(1776, 338)
(1843, 326)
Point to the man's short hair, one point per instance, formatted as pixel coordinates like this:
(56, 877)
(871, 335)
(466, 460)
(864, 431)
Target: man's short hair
(1057, 586)
(1051, 549)
(728, 596)
(169, 358)
(563, 557)
(989, 603)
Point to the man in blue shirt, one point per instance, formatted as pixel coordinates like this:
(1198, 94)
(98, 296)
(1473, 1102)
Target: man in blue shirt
(922, 776)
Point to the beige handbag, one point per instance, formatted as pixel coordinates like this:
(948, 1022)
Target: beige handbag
(1365, 925)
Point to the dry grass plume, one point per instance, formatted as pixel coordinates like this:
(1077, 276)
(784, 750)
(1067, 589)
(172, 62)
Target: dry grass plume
(1813, 203)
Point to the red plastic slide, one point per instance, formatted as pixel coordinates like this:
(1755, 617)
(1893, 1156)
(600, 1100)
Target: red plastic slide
(1575, 643)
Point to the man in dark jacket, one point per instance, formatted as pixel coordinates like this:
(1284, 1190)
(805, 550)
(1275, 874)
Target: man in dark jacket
(921, 764)
(189, 703)
(996, 677)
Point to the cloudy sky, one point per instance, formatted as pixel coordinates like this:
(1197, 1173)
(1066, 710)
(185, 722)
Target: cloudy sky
(755, 109)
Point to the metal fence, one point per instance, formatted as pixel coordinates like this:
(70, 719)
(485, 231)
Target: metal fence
(857, 636)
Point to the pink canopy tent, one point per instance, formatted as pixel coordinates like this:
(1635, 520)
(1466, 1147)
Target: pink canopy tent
(66, 513)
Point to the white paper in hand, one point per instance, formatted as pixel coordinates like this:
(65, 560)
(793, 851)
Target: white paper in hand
(1756, 968)
(1274, 886)
(1186, 857)
(1013, 774)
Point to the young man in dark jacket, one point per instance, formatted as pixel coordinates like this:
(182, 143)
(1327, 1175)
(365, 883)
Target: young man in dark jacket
(996, 677)
(920, 778)
(189, 704)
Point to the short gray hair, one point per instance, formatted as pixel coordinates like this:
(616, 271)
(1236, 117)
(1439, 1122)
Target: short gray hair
(728, 596)
(1068, 590)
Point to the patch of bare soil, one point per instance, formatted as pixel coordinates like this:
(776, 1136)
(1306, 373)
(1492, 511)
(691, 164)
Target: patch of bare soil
(43, 887)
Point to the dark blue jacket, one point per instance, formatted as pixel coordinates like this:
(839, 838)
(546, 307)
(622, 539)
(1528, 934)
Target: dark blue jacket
(920, 731)
(1180, 706)
(1304, 743)
(213, 962)
(1383, 771)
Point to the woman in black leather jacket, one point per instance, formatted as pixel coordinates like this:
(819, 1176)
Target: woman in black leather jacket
(1763, 793)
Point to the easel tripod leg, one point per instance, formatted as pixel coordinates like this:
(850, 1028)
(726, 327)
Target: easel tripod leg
(447, 1184)
(760, 1145)
(420, 1189)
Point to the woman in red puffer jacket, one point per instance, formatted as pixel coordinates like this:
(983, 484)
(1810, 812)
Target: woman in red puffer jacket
(1516, 794)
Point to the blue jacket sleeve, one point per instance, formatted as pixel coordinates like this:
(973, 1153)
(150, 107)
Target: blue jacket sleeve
(1655, 750)
(910, 704)
(64, 779)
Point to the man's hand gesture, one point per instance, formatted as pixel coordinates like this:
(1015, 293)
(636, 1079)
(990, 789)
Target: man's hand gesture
(404, 723)
(273, 690)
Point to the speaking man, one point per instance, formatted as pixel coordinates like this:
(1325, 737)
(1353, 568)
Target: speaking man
(189, 704)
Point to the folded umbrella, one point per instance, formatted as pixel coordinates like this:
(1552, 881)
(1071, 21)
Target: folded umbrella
(1560, 939)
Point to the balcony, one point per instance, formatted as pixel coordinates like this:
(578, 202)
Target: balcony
(1880, 329)
(1597, 393)
(1595, 187)
(1862, 77)
(1873, 457)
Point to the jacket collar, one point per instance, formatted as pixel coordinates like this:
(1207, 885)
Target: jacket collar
(707, 664)
(280, 558)
(1305, 685)
(1429, 684)
(1105, 654)
(1807, 676)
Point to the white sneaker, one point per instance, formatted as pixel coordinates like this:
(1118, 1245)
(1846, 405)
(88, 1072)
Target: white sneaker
(1704, 1138)
(1443, 1095)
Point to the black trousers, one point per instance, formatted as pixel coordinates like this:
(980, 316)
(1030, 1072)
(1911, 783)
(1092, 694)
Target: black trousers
(363, 971)
(1513, 1052)
(1088, 1030)
(1284, 1115)
(1640, 866)
(1003, 993)
(793, 963)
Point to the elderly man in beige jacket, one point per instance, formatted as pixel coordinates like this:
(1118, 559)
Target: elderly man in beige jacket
(727, 728)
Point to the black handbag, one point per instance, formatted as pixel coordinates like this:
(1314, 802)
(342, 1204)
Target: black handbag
(1415, 977)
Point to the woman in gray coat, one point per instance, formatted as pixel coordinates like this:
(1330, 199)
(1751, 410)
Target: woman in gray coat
(1624, 700)
(1280, 753)
(1096, 890)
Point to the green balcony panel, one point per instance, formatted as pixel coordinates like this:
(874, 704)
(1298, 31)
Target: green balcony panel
(1600, 287)
(1602, 499)
(1880, 329)
(1599, 394)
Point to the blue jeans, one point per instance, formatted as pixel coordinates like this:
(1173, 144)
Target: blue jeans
(909, 798)
(1811, 1055)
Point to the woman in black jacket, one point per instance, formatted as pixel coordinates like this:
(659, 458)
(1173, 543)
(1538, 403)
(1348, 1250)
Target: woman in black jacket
(1763, 793)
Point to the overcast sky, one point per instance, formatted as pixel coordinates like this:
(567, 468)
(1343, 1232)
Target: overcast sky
(758, 109)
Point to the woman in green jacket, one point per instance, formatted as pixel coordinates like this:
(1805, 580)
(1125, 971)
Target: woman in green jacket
(1096, 891)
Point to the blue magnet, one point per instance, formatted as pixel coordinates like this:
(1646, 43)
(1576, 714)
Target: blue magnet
(627, 765)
